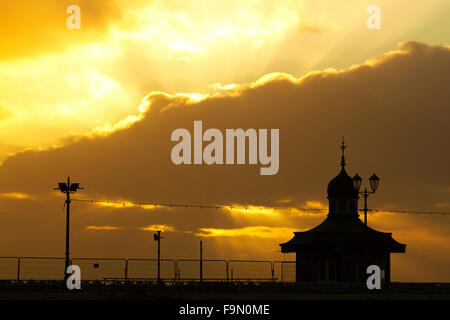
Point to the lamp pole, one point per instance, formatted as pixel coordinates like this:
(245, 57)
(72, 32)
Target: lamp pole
(157, 237)
(67, 228)
(67, 188)
(365, 194)
(374, 180)
(159, 256)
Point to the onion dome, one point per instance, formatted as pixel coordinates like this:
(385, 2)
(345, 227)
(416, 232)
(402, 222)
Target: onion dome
(342, 185)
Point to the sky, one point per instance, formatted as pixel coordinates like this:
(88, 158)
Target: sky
(100, 103)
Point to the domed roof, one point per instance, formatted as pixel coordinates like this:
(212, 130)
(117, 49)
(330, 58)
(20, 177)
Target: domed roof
(342, 186)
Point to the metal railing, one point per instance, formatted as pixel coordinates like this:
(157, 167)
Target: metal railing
(52, 268)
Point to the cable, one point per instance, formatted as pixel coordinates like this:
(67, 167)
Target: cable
(408, 211)
(231, 207)
(228, 207)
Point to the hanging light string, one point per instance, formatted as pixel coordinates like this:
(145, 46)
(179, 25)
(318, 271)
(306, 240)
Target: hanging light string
(174, 205)
(407, 211)
(239, 207)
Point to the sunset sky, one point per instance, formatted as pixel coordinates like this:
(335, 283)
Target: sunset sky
(100, 103)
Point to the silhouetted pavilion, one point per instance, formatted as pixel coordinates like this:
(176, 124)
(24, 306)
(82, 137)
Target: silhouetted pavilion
(342, 246)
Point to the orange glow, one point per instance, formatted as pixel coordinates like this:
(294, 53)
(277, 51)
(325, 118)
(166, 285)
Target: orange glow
(160, 227)
(16, 195)
(253, 231)
(102, 228)
(99, 104)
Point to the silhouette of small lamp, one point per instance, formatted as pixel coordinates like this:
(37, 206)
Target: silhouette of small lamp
(357, 182)
(157, 237)
(374, 181)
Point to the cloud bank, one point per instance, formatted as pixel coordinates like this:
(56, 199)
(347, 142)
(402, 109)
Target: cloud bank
(393, 111)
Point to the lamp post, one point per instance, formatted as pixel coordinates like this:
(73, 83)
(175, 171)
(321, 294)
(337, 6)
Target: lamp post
(67, 188)
(373, 180)
(157, 237)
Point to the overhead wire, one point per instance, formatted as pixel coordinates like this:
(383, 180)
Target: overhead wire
(245, 207)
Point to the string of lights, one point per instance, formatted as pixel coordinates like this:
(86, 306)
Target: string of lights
(173, 205)
(243, 207)
(409, 211)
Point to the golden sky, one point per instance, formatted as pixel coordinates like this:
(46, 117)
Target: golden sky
(99, 104)
(57, 82)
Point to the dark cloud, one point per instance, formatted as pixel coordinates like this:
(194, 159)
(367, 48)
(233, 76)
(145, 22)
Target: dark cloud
(393, 111)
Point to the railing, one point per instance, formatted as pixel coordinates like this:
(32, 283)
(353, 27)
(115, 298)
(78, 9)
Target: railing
(52, 268)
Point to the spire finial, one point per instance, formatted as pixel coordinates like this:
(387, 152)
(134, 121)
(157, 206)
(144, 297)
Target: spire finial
(343, 149)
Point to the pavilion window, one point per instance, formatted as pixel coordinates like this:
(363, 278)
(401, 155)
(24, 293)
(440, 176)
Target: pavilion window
(352, 205)
(331, 270)
(327, 270)
(332, 205)
(321, 270)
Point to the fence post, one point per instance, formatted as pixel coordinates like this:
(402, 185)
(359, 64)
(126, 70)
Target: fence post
(272, 269)
(175, 269)
(227, 270)
(126, 269)
(201, 260)
(18, 269)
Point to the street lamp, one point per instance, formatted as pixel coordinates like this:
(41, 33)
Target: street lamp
(67, 188)
(157, 237)
(374, 181)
